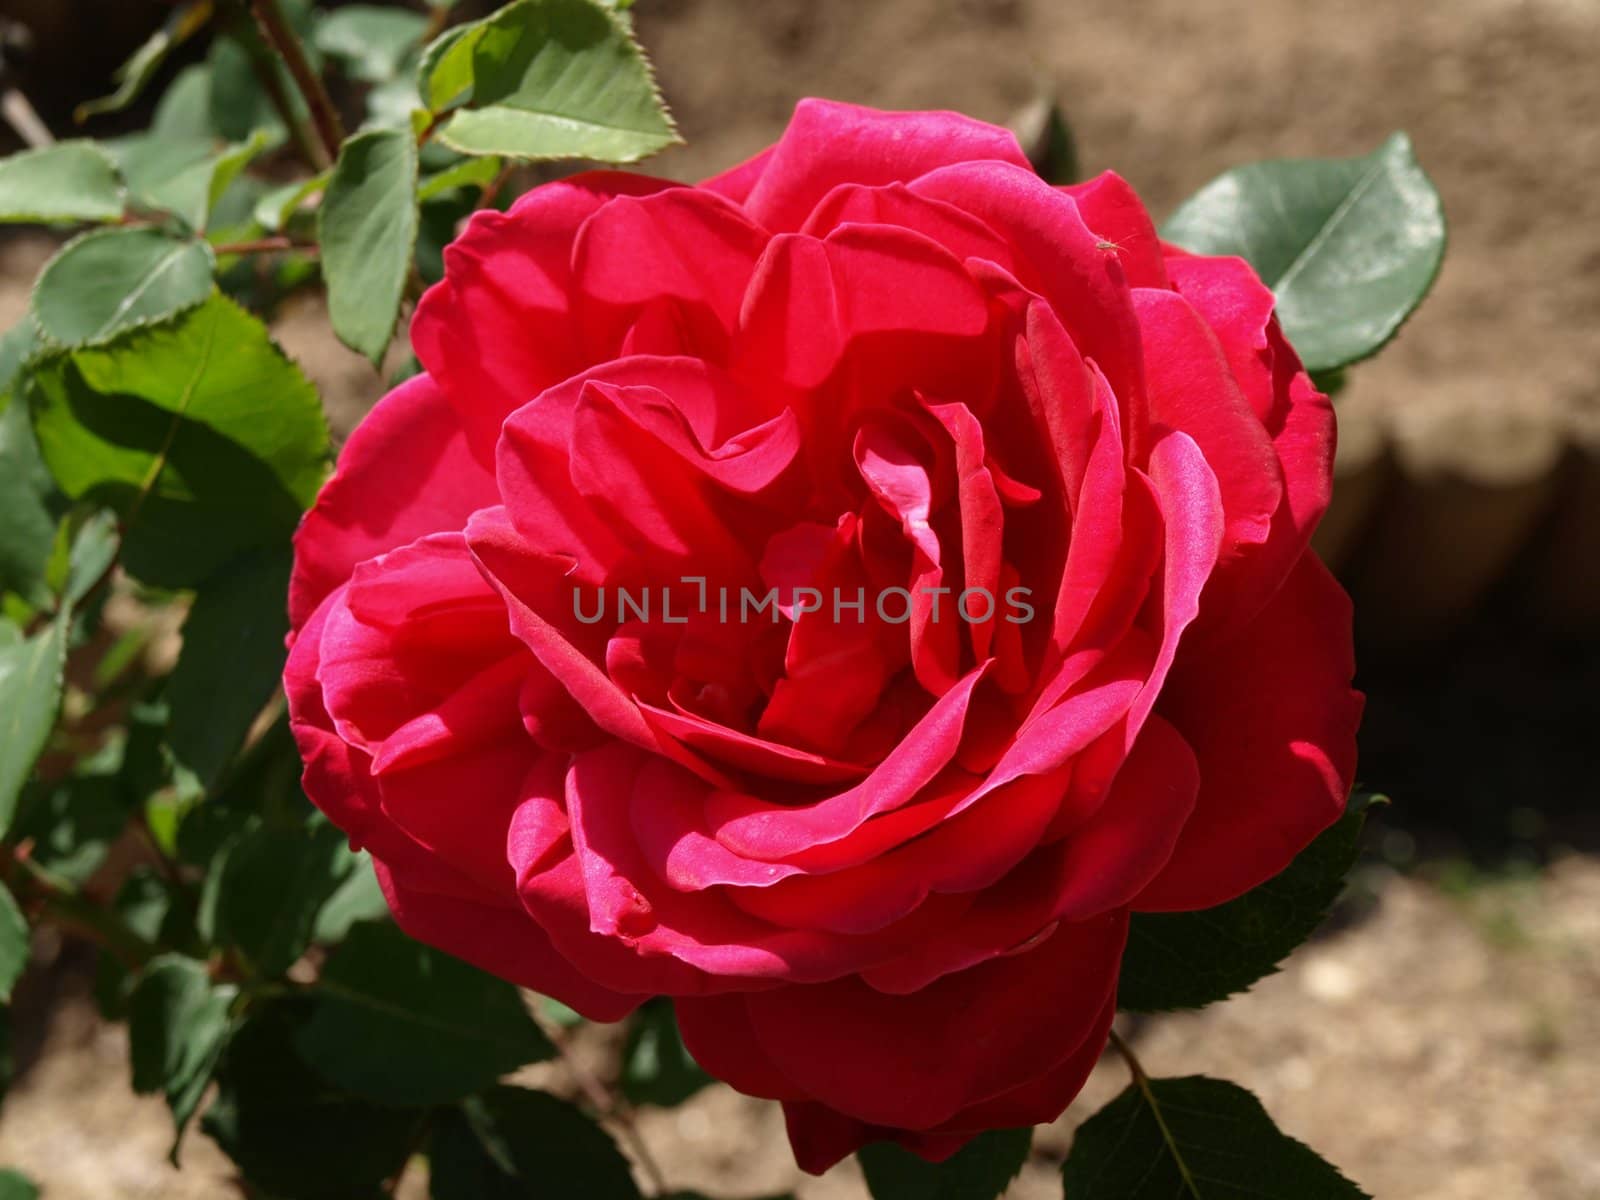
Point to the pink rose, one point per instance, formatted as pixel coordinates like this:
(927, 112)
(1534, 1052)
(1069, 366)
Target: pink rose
(878, 839)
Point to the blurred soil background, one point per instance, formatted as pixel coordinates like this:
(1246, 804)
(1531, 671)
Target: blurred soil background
(1442, 1040)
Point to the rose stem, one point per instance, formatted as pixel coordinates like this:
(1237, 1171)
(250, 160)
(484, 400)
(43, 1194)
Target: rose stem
(282, 39)
(1142, 1082)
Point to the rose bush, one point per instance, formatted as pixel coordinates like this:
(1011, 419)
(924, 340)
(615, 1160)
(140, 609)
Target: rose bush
(883, 863)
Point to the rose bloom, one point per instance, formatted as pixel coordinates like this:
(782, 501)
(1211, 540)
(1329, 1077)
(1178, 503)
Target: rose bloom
(884, 864)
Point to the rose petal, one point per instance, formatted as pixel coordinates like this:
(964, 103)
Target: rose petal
(405, 472)
(1056, 256)
(911, 1061)
(1276, 745)
(1191, 389)
(1299, 420)
(502, 941)
(498, 329)
(685, 246)
(827, 144)
(1116, 214)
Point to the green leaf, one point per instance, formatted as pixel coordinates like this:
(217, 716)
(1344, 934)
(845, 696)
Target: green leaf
(95, 541)
(187, 177)
(73, 822)
(70, 181)
(1046, 138)
(262, 785)
(444, 77)
(264, 892)
(1194, 1139)
(1191, 959)
(401, 1023)
(368, 230)
(14, 1185)
(277, 207)
(461, 1168)
(236, 104)
(291, 1135)
(1350, 246)
(980, 1170)
(153, 906)
(548, 79)
(396, 105)
(177, 1027)
(371, 44)
(232, 660)
(551, 1144)
(184, 110)
(14, 939)
(183, 23)
(358, 899)
(113, 280)
(656, 1066)
(27, 492)
(18, 346)
(159, 912)
(469, 172)
(30, 695)
(199, 433)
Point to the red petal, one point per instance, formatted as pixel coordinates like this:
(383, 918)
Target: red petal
(915, 1061)
(1298, 419)
(827, 144)
(685, 246)
(502, 941)
(498, 330)
(1114, 211)
(1272, 719)
(405, 472)
(1192, 389)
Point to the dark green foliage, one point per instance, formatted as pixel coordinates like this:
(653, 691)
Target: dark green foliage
(980, 1170)
(13, 943)
(164, 426)
(288, 1132)
(549, 1144)
(1194, 1139)
(178, 1023)
(232, 660)
(1350, 246)
(1189, 960)
(402, 1023)
(656, 1066)
(265, 889)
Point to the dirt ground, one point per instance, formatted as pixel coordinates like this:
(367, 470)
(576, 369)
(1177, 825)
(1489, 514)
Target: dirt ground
(1444, 1047)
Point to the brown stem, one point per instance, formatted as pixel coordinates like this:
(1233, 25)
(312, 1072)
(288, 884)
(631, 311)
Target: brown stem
(276, 30)
(305, 142)
(492, 189)
(1135, 1067)
(1141, 1080)
(265, 69)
